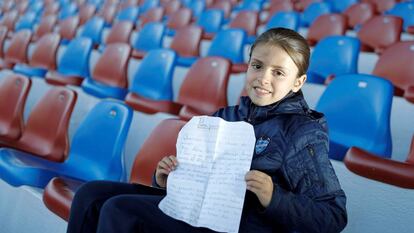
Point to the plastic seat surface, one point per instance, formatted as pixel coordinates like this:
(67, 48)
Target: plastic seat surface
(326, 25)
(93, 29)
(67, 28)
(313, 11)
(129, 14)
(46, 25)
(150, 37)
(18, 48)
(358, 108)
(109, 77)
(186, 42)
(290, 20)
(248, 21)
(120, 32)
(229, 43)
(180, 18)
(359, 13)
(95, 154)
(211, 22)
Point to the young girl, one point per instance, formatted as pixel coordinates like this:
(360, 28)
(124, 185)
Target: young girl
(292, 186)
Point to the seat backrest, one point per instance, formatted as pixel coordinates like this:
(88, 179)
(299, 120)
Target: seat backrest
(313, 11)
(205, 85)
(151, 152)
(18, 48)
(383, 5)
(9, 19)
(340, 6)
(358, 108)
(46, 25)
(25, 21)
(335, 55)
(46, 132)
(246, 20)
(120, 32)
(45, 52)
(278, 6)
(146, 5)
(67, 27)
(290, 20)
(172, 6)
(224, 6)
(197, 7)
(93, 29)
(67, 10)
(14, 89)
(107, 12)
(389, 27)
(405, 11)
(98, 143)
(359, 13)
(211, 20)
(186, 41)
(3, 36)
(75, 59)
(152, 15)
(150, 37)
(86, 12)
(111, 68)
(180, 18)
(395, 64)
(326, 25)
(128, 14)
(229, 43)
(155, 85)
(51, 8)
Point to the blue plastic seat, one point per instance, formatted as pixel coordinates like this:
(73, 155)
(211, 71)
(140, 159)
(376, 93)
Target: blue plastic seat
(109, 77)
(150, 37)
(358, 108)
(405, 10)
(148, 4)
(149, 87)
(313, 11)
(93, 29)
(211, 22)
(290, 20)
(25, 21)
(128, 14)
(197, 7)
(229, 43)
(96, 151)
(73, 66)
(340, 6)
(250, 5)
(67, 10)
(332, 56)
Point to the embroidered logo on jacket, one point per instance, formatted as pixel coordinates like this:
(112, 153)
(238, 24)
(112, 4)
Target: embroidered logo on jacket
(261, 144)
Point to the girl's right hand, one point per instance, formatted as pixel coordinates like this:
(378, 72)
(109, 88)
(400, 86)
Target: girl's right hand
(164, 167)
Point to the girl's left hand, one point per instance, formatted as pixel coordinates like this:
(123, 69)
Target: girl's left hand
(261, 184)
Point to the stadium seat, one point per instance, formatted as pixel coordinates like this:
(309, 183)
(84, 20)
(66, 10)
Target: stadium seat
(46, 131)
(59, 192)
(358, 108)
(389, 27)
(290, 20)
(109, 77)
(229, 43)
(150, 37)
(25, 21)
(129, 14)
(74, 63)
(152, 15)
(179, 19)
(151, 89)
(93, 29)
(313, 11)
(224, 6)
(67, 28)
(51, 9)
(358, 14)
(186, 42)
(301, 5)
(339, 6)
(372, 166)
(211, 22)
(120, 32)
(395, 64)
(18, 48)
(3, 36)
(46, 25)
(196, 7)
(332, 56)
(9, 19)
(14, 88)
(170, 7)
(277, 6)
(86, 12)
(405, 11)
(382, 6)
(148, 4)
(248, 21)
(107, 12)
(67, 10)
(326, 25)
(106, 125)
(43, 57)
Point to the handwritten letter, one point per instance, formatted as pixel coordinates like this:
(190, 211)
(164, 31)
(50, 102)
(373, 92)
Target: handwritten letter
(207, 189)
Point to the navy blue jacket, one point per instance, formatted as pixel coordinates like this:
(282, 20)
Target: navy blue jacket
(291, 147)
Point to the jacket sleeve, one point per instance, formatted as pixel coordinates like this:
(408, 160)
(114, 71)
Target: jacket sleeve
(315, 201)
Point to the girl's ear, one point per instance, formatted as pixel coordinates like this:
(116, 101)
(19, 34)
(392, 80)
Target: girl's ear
(299, 83)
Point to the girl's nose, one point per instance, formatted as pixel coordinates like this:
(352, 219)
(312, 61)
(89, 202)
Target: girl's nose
(264, 78)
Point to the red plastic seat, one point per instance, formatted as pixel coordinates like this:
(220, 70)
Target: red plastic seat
(107, 13)
(13, 93)
(46, 25)
(154, 14)
(277, 6)
(17, 50)
(86, 12)
(171, 6)
(396, 65)
(51, 9)
(3, 36)
(382, 5)
(359, 13)
(179, 19)
(9, 19)
(326, 25)
(45, 52)
(247, 20)
(301, 5)
(384, 170)
(46, 130)
(186, 41)
(225, 6)
(59, 192)
(388, 27)
(120, 32)
(68, 27)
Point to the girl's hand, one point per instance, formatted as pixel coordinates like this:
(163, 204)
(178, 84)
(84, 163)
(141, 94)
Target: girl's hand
(164, 167)
(260, 184)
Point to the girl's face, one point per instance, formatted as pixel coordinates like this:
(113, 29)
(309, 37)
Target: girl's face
(271, 75)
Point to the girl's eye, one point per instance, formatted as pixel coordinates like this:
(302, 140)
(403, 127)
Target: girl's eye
(256, 66)
(278, 73)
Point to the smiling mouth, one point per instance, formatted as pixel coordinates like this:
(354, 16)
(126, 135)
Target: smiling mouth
(261, 91)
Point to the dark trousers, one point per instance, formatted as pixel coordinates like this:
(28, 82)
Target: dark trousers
(113, 207)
